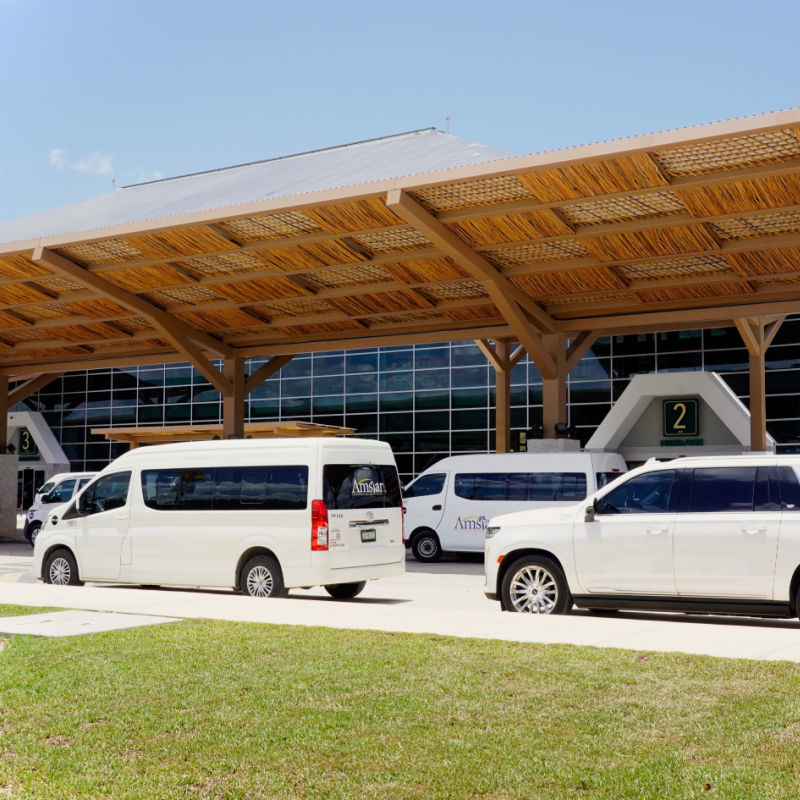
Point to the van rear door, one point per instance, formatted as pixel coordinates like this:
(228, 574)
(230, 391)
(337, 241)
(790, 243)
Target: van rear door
(365, 514)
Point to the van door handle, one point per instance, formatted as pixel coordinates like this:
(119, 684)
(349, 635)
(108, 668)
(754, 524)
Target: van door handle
(437, 507)
(761, 529)
(658, 530)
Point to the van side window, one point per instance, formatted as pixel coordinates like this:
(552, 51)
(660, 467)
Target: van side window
(426, 485)
(62, 492)
(360, 486)
(723, 489)
(105, 494)
(649, 493)
(226, 488)
(541, 486)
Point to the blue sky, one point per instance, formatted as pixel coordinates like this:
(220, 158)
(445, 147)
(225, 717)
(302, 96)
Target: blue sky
(132, 90)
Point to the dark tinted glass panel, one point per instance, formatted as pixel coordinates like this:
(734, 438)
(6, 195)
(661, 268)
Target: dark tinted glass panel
(726, 360)
(402, 401)
(481, 485)
(363, 423)
(297, 368)
(788, 333)
(633, 344)
(267, 391)
(394, 423)
(786, 405)
(433, 420)
(469, 441)
(589, 392)
(468, 356)
(429, 357)
(589, 368)
(360, 486)
(396, 381)
(329, 365)
(426, 485)
(644, 494)
(205, 412)
(264, 409)
(470, 376)
(464, 420)
(468, 398)
(782, 357)
(178, 413)
(563, 486)
(361, 383)
(327, 405)
(432, 379)
(397, 360)
(432, 441)
(296, 406)
(333, 384)
(440, 398)
(722, 338)
(589, 415)
(674, 362)
(723, 489)
(634, 365)
(678, 340)
(361, 403)
(399, 442)
(361, 362)
(790, 488)
(541, 486)
(296, 387)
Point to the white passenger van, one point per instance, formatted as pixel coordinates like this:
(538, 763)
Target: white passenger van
(449, 505)
(60, 488)
(260, 516)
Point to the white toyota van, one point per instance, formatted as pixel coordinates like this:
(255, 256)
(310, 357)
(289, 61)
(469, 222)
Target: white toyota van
(60, 488)
(449, 505)
(260, 516)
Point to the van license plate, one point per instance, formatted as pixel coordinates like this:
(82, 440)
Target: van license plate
(368, 535)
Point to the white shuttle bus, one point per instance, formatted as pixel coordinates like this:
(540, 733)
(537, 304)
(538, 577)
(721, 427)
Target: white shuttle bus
(259, 516)
(449, 505)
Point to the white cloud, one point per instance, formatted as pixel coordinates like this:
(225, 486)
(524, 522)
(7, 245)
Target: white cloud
(58, 157)
(93, 164)
(142, 175)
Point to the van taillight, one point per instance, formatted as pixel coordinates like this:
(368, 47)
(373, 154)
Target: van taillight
(402, 524)
(319, 525)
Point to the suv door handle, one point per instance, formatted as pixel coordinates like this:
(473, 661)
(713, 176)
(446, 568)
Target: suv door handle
(658, 530)
(761, 529)
(437, 507)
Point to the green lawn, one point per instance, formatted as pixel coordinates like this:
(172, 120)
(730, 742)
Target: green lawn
(202, 709)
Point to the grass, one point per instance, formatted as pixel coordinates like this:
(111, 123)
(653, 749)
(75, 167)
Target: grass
(201, 709)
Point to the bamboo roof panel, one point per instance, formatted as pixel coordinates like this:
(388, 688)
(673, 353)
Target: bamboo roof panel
(180, 242)
(218, 320)
(192, 294)
(85, 333)
(609, 176)
(95, 308)
(708, 290)
(107, 251)
(381, 301)
(455, 291)
(623, 209)
(425, 269)
(745, 195)
(308, 256)
(769, 262)
(483, 192)
(145, 278)
(541, 253)
(295, 308)
(402, 319)
(658, 242)
(54, 310)
(701, 158)
(761, 225)
(233, 262)
(350, 275)
(56, 284)
(344, 326)
(19, 266)
(270, 226)
(674, 268)
(354, 216)
(595, 297)
(473, 313)
(9, 321)
(26, 333)
(543, 285)
(12, 294)
(391, 241)
(510, 227)
(259, 290)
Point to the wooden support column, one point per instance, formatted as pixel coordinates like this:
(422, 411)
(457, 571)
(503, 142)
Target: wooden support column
(4, 406)
(503, 360)
(233, 400)
(554, 387)
(757, 334)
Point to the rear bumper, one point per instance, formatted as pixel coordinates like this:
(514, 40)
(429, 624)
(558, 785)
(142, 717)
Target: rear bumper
(294, 577)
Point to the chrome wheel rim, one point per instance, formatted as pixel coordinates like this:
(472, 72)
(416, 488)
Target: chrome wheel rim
(60, 572)
(427, 547)
(260, 582)
(35, 533)
(533, 590)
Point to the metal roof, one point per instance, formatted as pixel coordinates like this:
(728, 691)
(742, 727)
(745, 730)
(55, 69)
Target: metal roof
(415, 238)
(426, 150)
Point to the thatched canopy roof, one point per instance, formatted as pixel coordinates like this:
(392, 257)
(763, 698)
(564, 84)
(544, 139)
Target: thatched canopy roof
(415, 238)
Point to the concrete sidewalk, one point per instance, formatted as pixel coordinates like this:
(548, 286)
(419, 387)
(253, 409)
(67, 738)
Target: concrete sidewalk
(447, 604)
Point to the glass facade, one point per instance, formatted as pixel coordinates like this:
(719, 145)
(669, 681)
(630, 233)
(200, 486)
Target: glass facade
(426, 401)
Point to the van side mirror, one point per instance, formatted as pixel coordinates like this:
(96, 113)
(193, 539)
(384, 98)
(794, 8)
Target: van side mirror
(46, 498)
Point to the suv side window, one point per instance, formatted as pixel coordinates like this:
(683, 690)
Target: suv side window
(427, 484)
(723, 489)
(649, 493)
(790, 488)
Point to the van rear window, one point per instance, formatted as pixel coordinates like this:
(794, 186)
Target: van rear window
(226, 488)
(528, 486)
(361, 486)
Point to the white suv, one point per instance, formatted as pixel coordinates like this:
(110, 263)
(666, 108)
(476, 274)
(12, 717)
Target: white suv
(708, 534)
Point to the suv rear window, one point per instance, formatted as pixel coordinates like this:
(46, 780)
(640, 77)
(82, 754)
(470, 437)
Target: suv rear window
(360, 486)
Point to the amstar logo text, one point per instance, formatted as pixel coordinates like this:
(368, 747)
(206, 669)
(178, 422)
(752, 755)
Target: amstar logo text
(367, 486)
(473, 523)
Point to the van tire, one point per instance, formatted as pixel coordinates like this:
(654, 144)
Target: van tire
(426, 547)
(61, 569)
(262, 577)
(345, 591)
(33, 532)
(535, 585)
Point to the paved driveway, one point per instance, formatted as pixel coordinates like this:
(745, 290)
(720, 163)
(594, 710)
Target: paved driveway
(443, 599)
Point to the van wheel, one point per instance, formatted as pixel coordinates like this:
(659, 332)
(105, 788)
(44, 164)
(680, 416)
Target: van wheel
(33, 532)
(262, 577)
(345, 591)
(425, 547)
(61, 569)
(535, 585)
